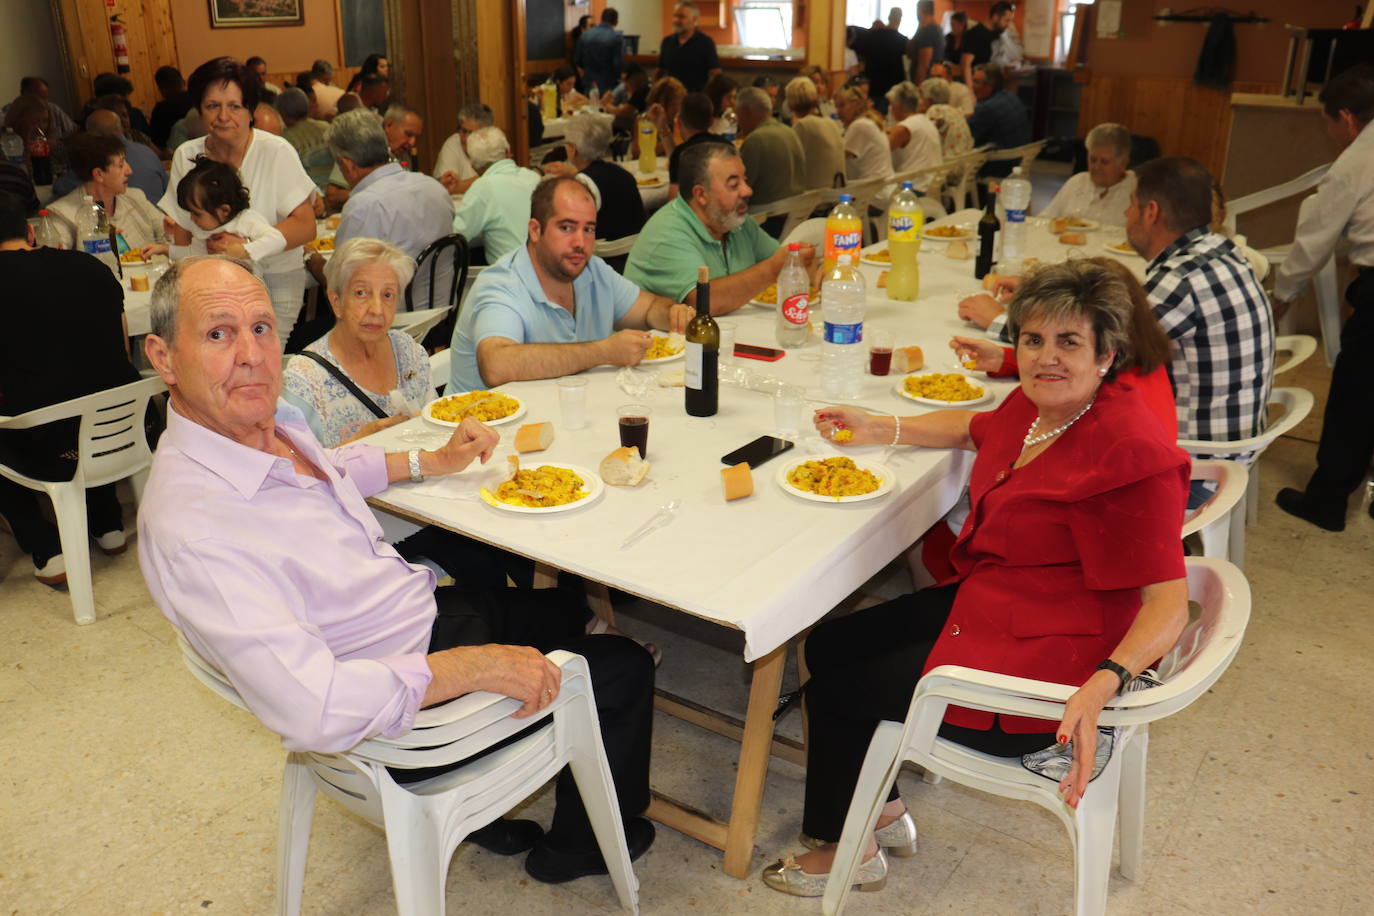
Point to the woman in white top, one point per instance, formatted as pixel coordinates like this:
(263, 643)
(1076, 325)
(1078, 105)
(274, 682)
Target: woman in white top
(913, 139)
(225, 93)
(98, 159)
(955, 137)
(865, 147)
(1103, 192)
(821, 140)
(960, 95)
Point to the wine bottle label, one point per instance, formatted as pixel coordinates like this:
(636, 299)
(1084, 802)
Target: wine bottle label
(844, 333)
(901, 228)
(1016, 216)
(692, 371)
(797, 309)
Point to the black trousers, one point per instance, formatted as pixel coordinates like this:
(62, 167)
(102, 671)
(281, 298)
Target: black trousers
(22, 507)
(1347, 442)
(622, 678)
(475, 565)
(864, 669)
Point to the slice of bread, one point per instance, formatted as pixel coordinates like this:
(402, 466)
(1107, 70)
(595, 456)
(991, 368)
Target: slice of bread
(957, 250)
(737, 481)
(623, 467)
(907, 359)
(534, 437)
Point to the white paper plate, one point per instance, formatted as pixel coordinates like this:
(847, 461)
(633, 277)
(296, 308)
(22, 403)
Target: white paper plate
(900, 389)
(865, 259)
(966, 235)
(815, 301)
(1088, 225)
(591, 485)
(664, 359)
(1127, 252)
(888, 481)
(519, 411)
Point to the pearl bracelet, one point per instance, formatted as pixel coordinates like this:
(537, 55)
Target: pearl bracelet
(896, 430)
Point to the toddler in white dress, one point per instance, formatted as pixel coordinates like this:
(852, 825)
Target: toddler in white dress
(218, 203)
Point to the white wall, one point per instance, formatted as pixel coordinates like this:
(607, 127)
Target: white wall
(28, 47)
(643, 18)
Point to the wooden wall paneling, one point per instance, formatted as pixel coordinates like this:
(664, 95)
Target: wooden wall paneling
(1185, 119)
(420, 48)
(498, 66)
(85, 28)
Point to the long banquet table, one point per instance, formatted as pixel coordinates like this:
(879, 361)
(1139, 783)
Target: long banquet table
(770, 565)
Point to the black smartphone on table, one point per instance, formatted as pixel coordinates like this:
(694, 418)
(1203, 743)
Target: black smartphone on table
(757, 452)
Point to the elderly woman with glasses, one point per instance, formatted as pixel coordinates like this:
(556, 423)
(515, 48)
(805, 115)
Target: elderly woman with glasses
(363, 377)
(619, 205)
(1068, 569)
(1103, 192)
(225, 92)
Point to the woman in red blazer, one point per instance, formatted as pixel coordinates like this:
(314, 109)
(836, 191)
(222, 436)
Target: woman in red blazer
(1070, 559)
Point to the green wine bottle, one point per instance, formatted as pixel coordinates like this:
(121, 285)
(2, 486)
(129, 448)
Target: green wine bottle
(703, 354)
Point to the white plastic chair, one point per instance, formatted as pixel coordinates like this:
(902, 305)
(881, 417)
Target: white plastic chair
(1324, 284)
(959, 192)
(440, 366)
(1217, 521)
(425, 821)
(1297, 346)
(795, 208)
(1201, 654)
(418, 324)
(810, 231)
(111, 446)
(1296, 404)
(610, 248)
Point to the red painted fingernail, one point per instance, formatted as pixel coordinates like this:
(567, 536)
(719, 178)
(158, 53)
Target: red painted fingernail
(1062, 739)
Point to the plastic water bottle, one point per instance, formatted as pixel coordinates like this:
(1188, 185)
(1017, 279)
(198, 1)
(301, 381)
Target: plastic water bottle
(905, 219)
(842, 350)
(794, 300)
(844, 233)
(44, 236)
(12, 146)
(1016, 196)
(594, 98)
(94, 233)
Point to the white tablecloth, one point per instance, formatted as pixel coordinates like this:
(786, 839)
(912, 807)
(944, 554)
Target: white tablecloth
(654, 195)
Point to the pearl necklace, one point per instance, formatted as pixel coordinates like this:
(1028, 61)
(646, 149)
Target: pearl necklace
(1030, 440)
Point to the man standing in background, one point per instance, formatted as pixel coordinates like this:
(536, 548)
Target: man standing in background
(600, 54)
(928, 44)
(686, 53)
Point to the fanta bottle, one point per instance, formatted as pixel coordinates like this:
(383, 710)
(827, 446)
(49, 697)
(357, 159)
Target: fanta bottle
(843, 233)
(905, 219)
(548, 109)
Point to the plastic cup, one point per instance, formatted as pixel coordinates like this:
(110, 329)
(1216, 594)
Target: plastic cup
(572, 401)
(787, 411)
(634, 426)
(879, 352)
(727, 342)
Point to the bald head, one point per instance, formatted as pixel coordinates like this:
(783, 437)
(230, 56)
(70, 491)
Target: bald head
(265, 117)
(104, 121)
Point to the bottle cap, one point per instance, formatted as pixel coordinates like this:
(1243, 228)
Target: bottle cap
(43, 212)
(846, 199)
(906, 186)
(791, 246)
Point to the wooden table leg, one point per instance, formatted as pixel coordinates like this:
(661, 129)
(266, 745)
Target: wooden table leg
(753, 762)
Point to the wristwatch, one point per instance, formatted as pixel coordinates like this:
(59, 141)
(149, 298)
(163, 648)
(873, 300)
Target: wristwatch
(1114, 668)
(413, 456)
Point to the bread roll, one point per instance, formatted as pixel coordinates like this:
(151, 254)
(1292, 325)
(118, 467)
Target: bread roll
(737, 481)
(907, 359)
(882, 280)
(138, 282)
(957, 250)
(1073, 238)
(672, 378)
(1059, 224)
(991, 280)
(623, 467)
(534, 437)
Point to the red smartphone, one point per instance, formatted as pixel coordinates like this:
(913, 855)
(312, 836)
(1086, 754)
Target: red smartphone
(767, 354)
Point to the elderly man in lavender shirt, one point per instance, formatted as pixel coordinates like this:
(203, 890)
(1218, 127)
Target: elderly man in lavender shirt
(256, 543)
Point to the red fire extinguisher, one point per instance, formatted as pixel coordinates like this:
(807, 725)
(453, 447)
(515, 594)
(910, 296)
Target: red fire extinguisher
(119, 34)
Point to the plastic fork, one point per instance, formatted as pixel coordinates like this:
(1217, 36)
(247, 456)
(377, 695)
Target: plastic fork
(663, 516)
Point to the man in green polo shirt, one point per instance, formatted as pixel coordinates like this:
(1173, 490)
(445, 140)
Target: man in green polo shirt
(708, 223)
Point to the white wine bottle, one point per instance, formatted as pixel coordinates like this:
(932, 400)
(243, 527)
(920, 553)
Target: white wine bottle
(703, 354)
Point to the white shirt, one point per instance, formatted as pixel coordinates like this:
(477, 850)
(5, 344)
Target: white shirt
(961, 97)
(276, 182)
(865, 151)
(922, 149)
(1081, 198)
(453, 159)
(1342, 207)
(263, 238)
(327, 97)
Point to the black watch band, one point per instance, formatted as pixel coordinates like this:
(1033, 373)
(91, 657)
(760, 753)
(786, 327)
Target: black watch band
(1114, 668)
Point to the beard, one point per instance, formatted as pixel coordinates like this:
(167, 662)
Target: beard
(553, 265)
(728, 220)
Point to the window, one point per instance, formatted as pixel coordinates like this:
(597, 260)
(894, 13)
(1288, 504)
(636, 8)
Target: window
(764, 23)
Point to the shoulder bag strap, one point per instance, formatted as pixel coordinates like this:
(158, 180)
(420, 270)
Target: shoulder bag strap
(347, 382)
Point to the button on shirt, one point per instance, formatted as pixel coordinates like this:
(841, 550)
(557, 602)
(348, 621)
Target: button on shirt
(508, 301)
(284, 584)
(1209, 303)
(408, 209)
(495, 212)
(1343, 206)
(675, 242)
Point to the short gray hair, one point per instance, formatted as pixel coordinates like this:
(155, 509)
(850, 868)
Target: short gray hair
(293, 103)
(801, 94)
(590, 135)
(905, 94)
(1078, 289)
(487, 145)
(694, 167)
(166, 298)
(476, 111)
(936, 89)
(396, 113)
(754, 99)
(357, 135)
(323, 68)
(1113, 135)
(359, 251)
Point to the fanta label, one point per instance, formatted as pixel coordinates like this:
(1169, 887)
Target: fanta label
(901, 229)
(838, 243)
(797, 309)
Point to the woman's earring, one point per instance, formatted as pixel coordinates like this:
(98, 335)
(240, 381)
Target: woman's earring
(1101, 371)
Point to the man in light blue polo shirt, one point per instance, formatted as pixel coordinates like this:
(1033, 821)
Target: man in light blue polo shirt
(709, 223)
(497, 206)
(549, 308)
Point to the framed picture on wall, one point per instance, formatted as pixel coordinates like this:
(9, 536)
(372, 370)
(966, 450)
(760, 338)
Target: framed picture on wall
(235, 14)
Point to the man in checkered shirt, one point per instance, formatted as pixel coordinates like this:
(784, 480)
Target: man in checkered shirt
(1208, 301)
